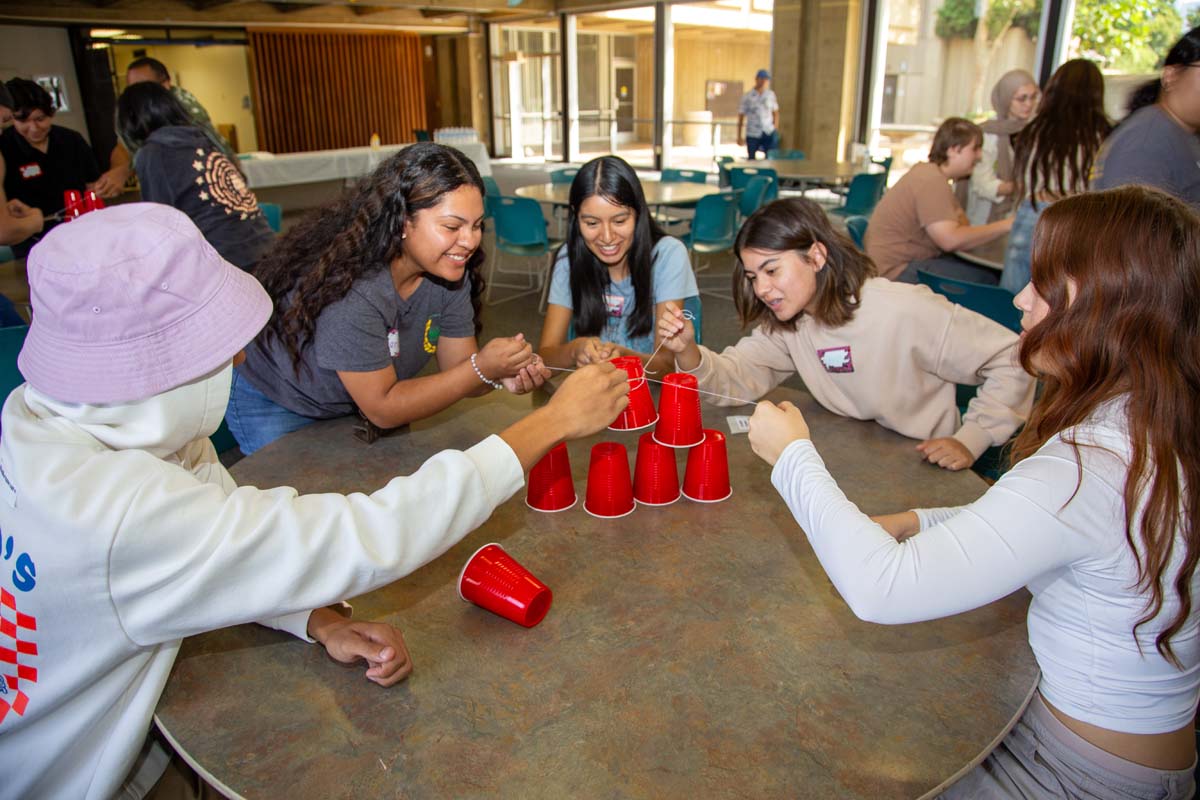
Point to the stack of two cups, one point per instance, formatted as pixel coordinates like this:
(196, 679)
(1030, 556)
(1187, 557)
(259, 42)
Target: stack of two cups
(706, 479)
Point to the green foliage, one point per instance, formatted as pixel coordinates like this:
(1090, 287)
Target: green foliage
(1193, 18)
(1126, 35)
(956, 18)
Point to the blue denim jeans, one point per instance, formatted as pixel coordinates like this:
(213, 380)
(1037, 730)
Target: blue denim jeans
(1020, 247)
(254, 419)
(765, 143)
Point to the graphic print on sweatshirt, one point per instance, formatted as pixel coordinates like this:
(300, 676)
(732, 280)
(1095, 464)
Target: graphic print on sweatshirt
(18, 631)
(222, 185)
(836, 359)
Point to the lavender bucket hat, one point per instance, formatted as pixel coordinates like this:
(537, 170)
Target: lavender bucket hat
(131, 301)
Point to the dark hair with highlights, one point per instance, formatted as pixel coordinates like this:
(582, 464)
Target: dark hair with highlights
(145, 107)
(27, 97)
(1132, 331)
(318, 260)
(795, 223)
(613, 179)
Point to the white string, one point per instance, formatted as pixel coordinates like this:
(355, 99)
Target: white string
(663, 383)
(688, 315)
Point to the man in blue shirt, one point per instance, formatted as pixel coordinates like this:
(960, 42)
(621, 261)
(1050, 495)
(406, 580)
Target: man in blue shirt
(759, 111)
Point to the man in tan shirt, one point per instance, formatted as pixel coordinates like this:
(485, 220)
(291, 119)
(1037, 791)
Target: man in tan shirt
(919, 223)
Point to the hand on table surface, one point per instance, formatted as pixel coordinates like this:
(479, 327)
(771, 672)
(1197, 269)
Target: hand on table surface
(774, 427)
(379, 644)
(947, 452)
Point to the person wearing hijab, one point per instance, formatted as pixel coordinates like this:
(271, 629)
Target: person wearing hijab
(990, 192)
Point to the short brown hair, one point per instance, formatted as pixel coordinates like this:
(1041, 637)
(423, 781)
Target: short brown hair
(954, 132)
(796, 224)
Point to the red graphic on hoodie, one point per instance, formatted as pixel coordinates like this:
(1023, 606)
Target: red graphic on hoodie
(16, 646)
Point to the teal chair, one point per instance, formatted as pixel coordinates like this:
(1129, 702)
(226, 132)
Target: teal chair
(560, 176)
(991, 301)
(490, 187)
(672, 175)
(740, 176)
(273, 212)
(520, 231)
(886, 163)
(785, 155)
(856, 226)
(11, 340)
(753, 195)
(713, 230)
(864, 194)
(422, 135)
(723, 163)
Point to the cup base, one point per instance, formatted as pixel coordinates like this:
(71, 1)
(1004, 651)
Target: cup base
(679, 446)
(698, 500)
(658, 505)
(552, 510)
(609, 516)
(638, 428)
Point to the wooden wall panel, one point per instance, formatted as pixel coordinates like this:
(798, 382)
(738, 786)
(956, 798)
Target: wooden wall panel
(321, 91)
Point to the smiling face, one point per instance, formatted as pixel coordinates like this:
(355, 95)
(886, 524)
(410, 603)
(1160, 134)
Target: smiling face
(35, 128)
(784, 280)
(607, 230)
(1024, 102)
(440, 240)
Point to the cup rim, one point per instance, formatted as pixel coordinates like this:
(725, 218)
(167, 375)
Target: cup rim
(610, 516)
(657, 505)
(699, 441)
(698, 500)
(553, 510)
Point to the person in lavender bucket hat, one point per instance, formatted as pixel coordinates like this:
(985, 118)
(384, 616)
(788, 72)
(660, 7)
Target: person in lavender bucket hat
(122, 533)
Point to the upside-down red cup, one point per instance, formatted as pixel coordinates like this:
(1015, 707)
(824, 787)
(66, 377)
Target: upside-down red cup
(609, 487)
(679, 412)
(550, 487)
(72, 204)
(655, 478)
(706, 479)
(92, 201)
(640, 413)
(494, 580)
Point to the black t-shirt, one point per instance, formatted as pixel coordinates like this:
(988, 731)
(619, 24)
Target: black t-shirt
(39, 179)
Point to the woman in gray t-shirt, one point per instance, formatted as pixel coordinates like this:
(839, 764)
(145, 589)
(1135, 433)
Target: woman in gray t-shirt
(366, 291)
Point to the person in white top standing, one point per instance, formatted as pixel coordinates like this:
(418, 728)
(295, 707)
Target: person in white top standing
(758, 117)
(1097, 518)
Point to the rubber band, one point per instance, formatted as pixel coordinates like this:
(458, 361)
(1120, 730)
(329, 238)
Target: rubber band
(690, 317)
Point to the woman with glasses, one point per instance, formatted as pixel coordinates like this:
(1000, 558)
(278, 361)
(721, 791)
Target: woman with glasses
(990, 196)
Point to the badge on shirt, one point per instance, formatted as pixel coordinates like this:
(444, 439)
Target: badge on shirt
(433, 332)
(836, 359)
(30, 171)
(615, 304)
(393, 342)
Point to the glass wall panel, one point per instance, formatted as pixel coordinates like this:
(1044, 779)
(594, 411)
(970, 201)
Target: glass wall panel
(526, 90)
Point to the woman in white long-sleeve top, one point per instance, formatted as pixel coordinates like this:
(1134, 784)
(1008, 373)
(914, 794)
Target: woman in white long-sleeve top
(865, 347)
(1096, 519)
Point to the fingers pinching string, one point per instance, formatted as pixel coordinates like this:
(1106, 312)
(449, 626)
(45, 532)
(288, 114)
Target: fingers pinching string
(690, 317)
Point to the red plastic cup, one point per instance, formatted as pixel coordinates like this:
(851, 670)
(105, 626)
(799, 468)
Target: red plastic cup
(550, 487)
(679, 422)
(655, 478)
(640, 413)
(609, 487)
(72, 203)
(92, 201)
(492, 579)
(707, 477)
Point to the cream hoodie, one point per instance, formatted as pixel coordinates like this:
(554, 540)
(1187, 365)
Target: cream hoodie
(896, 362)
(121, 533)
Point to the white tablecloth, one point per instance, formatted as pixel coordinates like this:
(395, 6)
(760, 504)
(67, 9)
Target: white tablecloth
(266, 169)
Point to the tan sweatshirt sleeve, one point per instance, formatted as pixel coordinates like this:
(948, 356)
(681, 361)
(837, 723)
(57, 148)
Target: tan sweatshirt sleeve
(976, 351)
(747, 370)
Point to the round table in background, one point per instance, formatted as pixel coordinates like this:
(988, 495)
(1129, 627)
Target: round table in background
(807, 172)
(691, 650)
(657, 193)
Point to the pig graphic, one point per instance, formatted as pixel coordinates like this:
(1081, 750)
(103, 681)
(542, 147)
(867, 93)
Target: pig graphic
(836, 359)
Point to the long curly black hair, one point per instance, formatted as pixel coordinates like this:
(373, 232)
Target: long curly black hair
(319, 259)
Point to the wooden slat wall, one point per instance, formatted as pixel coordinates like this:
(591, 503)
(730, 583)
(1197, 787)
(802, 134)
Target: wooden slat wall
(320, 91)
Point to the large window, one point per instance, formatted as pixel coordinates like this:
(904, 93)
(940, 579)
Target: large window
(527, 94)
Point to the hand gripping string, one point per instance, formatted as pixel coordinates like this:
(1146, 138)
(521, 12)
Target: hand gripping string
(690, 317)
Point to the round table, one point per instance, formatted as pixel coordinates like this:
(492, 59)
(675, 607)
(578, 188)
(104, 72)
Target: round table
(691, 650)
(657, 193)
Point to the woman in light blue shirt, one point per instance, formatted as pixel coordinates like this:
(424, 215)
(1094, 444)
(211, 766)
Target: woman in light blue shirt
(615, 275)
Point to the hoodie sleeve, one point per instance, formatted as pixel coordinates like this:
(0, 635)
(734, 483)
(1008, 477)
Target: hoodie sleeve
(152, 168)
(747, 370)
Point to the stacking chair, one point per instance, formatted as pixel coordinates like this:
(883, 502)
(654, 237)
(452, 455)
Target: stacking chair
(273, 212)
(754, 193)
(886, 163)
(520, 231)
(671, 175)
(692, 305)
(740, 176)
(713, 230)
(723, 163)
(865, 191)
(11, 340)
(784, 155)
(422, 135)
(856, 226)
(491, 193)
(564, 175)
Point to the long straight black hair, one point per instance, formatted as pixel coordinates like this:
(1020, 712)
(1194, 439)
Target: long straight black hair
(145, 107)
(615, 181)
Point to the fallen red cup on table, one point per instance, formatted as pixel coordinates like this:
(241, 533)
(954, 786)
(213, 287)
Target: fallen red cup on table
(609, 486)
(655, 477)
(550, 486)
(640, 413)
(495, 581)
(679, 423)
(706, 479)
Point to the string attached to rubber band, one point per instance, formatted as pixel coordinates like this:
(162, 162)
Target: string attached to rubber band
(663, 383)
(690, 317)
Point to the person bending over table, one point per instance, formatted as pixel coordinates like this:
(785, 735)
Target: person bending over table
(864, 346)
(615, 274)
(1097, 518)
(39, 160)
(123, 533)
(365, 291)
(178, 165)
(919, 223)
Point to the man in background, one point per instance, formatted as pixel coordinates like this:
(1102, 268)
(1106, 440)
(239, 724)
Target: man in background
(759, 112)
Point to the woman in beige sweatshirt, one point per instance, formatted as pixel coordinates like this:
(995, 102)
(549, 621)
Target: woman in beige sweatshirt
(864, 346)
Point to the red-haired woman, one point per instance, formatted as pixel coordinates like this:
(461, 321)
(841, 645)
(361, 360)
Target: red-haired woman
(1096, 519)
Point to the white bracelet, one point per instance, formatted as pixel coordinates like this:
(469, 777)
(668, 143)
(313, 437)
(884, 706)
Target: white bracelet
(493, 384)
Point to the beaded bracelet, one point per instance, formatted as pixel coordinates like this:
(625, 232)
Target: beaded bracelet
(493, 384)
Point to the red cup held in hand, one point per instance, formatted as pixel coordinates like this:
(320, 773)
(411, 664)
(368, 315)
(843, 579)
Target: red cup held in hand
(550, 487)
(655, 478)
(609, 487)
(493, 580)
(679, 422)
(640, 412)
(706, 479)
